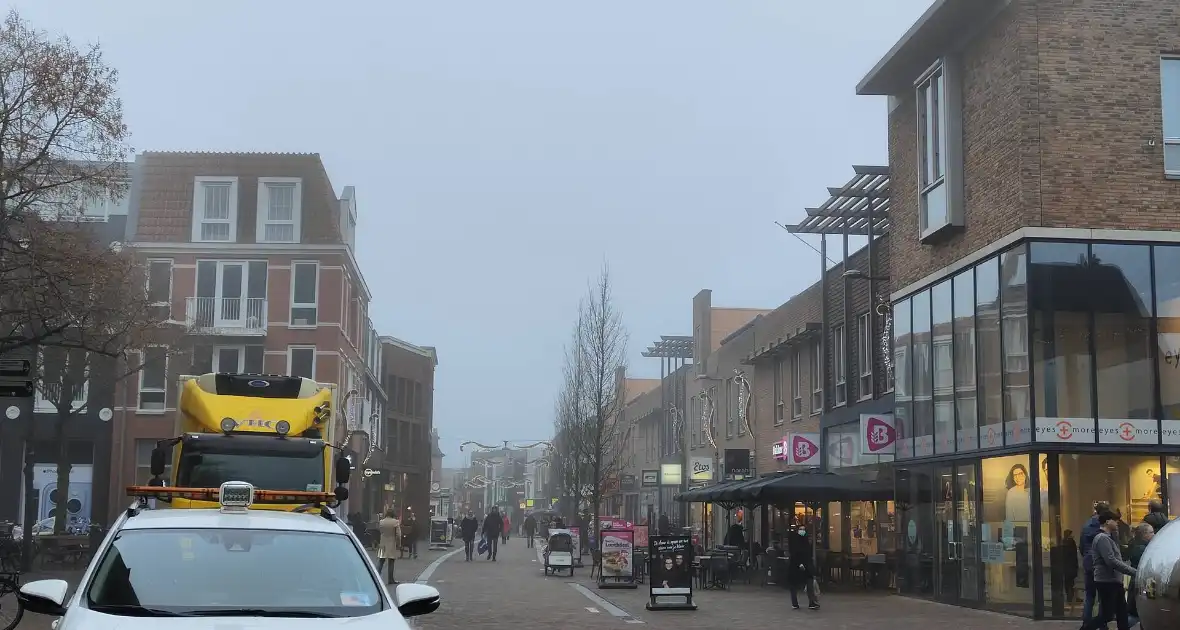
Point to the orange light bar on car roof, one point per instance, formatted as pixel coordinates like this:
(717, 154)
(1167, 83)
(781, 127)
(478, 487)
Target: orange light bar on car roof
(214, 494)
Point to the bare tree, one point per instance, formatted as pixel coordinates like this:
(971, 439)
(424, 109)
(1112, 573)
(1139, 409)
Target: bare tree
(601, 353)
(62, 146)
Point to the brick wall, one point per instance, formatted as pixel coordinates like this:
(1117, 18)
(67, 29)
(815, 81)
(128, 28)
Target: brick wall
(1061, 103)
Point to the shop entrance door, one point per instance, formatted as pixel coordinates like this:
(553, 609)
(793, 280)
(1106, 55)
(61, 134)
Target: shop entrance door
(955, 530)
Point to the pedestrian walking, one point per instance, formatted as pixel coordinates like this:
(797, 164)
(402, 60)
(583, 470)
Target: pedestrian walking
(1091, 529)
(1109, 568)
(390, 532)
(800, 573)
(507, 528)
(468, 528)
(530, 529)
(411, 527)
(1069, 568)
(1143, 534)
(493, 526)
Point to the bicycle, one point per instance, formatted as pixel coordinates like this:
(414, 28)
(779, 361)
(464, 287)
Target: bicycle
(11, 610)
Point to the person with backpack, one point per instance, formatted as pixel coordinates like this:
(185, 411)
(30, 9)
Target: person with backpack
(1109, 569)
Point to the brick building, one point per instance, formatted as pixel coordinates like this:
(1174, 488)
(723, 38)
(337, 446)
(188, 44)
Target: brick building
(88, 435)
(255, 254)
(405, 470)
(1033, 158)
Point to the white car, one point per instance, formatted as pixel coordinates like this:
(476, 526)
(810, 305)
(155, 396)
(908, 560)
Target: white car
(168, 568)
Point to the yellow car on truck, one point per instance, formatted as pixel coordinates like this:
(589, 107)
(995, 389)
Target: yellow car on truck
(273, 432)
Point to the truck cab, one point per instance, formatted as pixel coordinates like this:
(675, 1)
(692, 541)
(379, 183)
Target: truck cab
(272, 431)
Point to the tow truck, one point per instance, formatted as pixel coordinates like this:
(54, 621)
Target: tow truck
(274, 432)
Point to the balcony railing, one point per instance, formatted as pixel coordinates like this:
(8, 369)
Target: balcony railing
(226, 316)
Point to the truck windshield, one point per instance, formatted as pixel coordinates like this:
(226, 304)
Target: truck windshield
(232, 572)
(210, 464)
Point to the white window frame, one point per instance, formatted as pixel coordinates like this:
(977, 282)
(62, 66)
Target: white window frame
(154, 390)
(294, 305)
(864, 355)
(263, 214)
(199, 184)
(41, 404)
(239, 368)
(840, 363)
(291, 357)
(796, 387)
(1170, 114)
(147, 284)
(780, 406)
(939, 146)
(817, 377)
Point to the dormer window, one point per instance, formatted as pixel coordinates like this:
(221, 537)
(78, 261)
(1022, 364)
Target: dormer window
(280, 209)
(215, 210)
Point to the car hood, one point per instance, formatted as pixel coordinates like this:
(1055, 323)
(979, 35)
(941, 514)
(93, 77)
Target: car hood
(85, 619)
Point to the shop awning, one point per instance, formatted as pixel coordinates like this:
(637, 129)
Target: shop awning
(815, 486)
(707, 494)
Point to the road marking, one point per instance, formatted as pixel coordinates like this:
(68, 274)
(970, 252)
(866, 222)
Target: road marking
(592, 609)
(615, 611)
(424, 576)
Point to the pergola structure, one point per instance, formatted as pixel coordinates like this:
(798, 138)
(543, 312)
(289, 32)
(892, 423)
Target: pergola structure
(858, 208)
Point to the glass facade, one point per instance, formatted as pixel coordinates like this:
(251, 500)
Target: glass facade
(1046, 342)
(962, 361)
(1001, 369)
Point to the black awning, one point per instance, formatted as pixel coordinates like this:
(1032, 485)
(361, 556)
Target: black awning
(816, 486)
(706, 494)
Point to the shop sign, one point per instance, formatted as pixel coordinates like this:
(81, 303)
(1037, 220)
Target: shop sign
(671, 474)
(737, 463)
(878, 434)
(650, 477)
(1128, 431)
(923, 445)
(779, 450)
(628, 483)
(702, 468)
(989, 437)
(1170, 433)
(803, 449)
(1018, 431)
(842, 450)
(967, 439)
(1070, 430)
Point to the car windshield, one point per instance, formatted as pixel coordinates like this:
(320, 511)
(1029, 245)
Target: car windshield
(223, 571)
(208, 468)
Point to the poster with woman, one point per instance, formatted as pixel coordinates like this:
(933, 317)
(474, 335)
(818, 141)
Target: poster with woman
(671, 562)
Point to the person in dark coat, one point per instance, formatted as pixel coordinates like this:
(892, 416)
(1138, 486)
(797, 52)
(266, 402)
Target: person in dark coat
(664, 526)
(468, 528)
(530, 529)
(1069, 566)
(736, 536)
(1156, 516)
(1144, 532)
(800, 572)
(493, 526)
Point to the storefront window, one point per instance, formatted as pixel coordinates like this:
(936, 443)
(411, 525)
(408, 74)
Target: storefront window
(870, 527)
(843, 447)
(1167, 312)
(923, 377)
(967, 437)
(987, 331)
(1121, 275)
(835, 527)
(1006, 534)
(1061, 337)
(1173, 489)
(902, 377)
(915, 518)
(943, 359)
(1127, 482)
(1014, 327)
